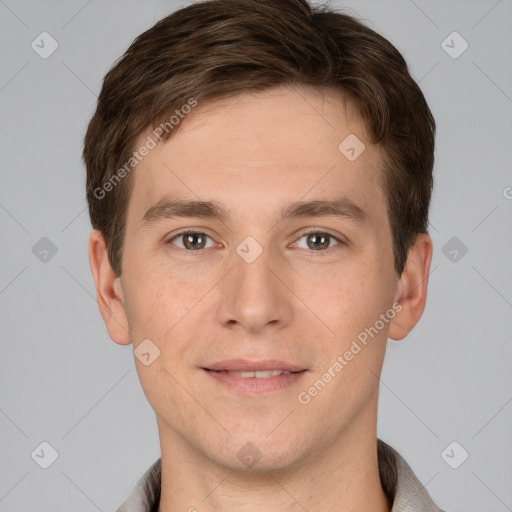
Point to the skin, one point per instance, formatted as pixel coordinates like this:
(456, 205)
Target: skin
(253, 154)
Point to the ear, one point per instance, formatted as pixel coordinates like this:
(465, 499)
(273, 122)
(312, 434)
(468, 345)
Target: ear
(109, 293)
(411, 291)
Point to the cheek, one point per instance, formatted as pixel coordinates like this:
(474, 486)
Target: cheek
(156, 298)
(348, 297)
(351, 312)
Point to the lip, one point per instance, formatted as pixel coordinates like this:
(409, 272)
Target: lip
(244, 365)
(254, 386)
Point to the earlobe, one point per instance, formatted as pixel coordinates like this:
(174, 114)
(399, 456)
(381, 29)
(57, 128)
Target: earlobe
(412, 288)
(109, 293)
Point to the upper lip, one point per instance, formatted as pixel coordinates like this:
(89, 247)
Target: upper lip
(241, 365)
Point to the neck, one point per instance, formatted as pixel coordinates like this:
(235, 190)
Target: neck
(341, 477)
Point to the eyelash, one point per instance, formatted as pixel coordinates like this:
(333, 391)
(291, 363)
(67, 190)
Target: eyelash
(312, 252)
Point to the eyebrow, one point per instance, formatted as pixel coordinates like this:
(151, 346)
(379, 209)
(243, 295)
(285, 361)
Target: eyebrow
(178, 208)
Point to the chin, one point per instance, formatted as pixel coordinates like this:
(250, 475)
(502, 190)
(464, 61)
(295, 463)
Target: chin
(252, 453)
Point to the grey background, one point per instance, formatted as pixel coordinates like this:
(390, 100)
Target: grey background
(63, 381)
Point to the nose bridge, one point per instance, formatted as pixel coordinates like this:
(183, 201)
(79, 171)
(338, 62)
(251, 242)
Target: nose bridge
(252, 263)
(252, 295)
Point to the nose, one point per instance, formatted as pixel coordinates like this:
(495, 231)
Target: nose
(255, 295)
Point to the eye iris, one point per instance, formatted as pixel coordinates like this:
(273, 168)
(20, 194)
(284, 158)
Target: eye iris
(190, 238)
(324, 240)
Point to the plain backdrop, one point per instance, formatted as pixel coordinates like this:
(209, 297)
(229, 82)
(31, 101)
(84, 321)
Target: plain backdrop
(65, 383)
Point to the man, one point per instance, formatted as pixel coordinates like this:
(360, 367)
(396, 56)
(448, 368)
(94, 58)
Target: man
(259, 174)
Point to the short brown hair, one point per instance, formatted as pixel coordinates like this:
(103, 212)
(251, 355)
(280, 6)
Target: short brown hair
(221, 48)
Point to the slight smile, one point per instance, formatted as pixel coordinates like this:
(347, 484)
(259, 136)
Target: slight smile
(255, 377)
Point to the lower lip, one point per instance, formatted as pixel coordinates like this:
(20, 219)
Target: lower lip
(255, 385)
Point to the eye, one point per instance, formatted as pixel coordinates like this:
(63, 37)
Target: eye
(318, 240)
(197, 240)
(192, 240)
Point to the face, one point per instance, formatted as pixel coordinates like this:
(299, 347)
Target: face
(289, 278)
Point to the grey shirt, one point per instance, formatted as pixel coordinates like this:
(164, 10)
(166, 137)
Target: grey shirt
(398, 481)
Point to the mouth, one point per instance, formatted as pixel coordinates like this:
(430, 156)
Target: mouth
(259, 374)
(246, 366)
(255, 377)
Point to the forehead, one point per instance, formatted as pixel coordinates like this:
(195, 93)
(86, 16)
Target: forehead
(262, 149)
